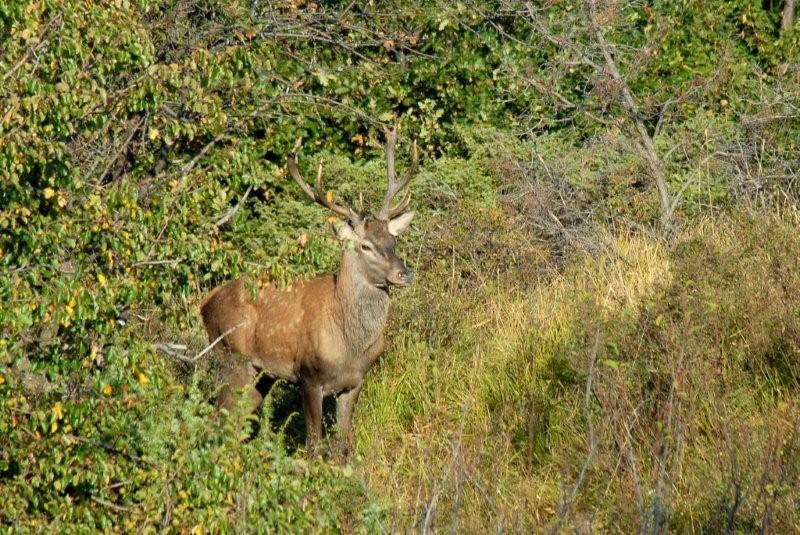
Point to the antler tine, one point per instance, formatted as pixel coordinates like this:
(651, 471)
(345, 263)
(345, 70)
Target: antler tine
(400, 207)
(317, 194)
(394, 187)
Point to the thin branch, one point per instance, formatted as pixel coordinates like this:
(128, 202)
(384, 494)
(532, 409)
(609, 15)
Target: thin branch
(33, 50)
(332, 103)
(232, 212)
(188, 167)
(111, 505)
(121, 149)
(168, 348)
(109, 448)
(431, 507)
(170, 261)
(591, 439)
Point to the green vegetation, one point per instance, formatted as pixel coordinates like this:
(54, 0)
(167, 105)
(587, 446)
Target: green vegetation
(604, 330)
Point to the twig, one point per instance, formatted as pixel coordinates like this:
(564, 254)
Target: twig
(109, 448)
(232, 212)
(168, 512)
(185, 169)
(168, 348)
(188, 167)
(332, 103)
(429, 510)
(135, 128)
(29, 51)
(591, 439)
(112, 505)
(157, 262)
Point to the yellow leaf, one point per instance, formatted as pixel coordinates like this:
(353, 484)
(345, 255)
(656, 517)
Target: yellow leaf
(153, 134)
(197, 530)
(101, 279)
(329, 196)
(58, 411)
(107, 390)
(143, 380)
(53, 427)
(62, 201)
(2, 379)
(49, 193)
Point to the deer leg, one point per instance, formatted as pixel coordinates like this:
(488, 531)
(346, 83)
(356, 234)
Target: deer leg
(345, 403)
(236, 376)
(312, 410)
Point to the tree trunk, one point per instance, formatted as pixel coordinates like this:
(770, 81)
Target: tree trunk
(788, 15)
(646, 144)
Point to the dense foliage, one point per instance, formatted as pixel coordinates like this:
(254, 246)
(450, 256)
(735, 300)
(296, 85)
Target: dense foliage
(142, 162)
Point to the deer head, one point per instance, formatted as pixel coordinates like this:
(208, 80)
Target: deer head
(374, 237)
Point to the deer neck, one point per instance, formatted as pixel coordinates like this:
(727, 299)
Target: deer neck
(363, 305)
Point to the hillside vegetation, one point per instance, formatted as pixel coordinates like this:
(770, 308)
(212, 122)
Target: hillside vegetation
(604, 329)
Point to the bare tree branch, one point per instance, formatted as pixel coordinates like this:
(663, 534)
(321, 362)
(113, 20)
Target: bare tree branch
(232, 212)
(166, 348)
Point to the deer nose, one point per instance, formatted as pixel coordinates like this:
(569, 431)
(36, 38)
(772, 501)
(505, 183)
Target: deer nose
(405, 276)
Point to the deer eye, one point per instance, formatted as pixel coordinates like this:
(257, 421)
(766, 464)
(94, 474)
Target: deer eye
(366, 247)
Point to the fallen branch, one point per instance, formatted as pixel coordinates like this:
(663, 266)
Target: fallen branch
(169, 349)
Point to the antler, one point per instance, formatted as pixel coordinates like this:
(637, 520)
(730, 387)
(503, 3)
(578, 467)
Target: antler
(394, 187)
(317, 194)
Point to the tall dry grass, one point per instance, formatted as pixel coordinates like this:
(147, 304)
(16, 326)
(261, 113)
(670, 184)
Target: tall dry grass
(480, 416)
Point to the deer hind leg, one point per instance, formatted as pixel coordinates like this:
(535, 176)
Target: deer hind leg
(236, 376)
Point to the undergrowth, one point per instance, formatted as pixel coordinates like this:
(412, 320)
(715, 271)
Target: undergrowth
(478, 418)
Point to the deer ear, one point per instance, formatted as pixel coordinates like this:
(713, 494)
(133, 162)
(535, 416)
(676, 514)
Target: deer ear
(399, 224)
(347, 232)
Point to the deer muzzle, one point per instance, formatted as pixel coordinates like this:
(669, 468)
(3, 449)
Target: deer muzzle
(400, 276)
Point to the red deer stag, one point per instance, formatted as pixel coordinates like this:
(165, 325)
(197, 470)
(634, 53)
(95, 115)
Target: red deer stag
(324, 333)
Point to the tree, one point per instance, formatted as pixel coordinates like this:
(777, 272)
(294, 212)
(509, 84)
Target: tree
(788, 15)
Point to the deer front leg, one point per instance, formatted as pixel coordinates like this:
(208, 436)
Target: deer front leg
(344, 417)
(312, 410)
